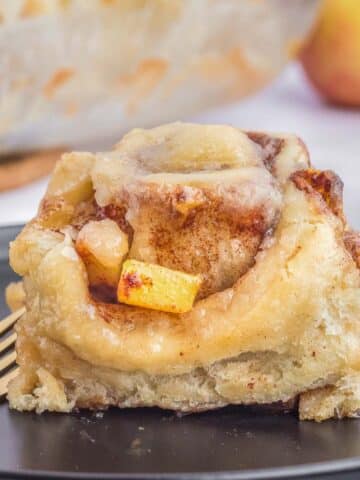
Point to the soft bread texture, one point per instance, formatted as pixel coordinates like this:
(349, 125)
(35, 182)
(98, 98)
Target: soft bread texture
(286, 326)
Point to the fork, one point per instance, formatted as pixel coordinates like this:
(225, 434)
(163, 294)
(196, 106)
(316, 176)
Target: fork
(7, 350)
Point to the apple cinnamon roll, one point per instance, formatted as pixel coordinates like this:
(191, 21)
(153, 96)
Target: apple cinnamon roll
(192, 267)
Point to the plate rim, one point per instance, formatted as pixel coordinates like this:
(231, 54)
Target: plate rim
(295, 471)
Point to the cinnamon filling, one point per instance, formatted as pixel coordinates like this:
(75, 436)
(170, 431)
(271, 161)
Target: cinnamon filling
(187, 227)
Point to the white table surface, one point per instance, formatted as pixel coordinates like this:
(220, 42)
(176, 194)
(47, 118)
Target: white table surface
(288, 105)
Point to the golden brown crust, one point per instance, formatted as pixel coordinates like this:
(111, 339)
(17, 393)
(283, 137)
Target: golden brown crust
(15, 295)
(325, 183)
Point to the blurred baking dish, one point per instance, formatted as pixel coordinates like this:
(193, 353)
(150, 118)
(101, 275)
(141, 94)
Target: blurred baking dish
(78, 69)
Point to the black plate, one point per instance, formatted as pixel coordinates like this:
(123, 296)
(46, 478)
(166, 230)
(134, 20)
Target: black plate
(232, 443)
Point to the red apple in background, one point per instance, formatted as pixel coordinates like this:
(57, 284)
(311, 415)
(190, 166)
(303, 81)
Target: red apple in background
(331, 54)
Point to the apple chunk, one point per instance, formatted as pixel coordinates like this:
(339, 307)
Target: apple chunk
(102, 245)
(152, 286)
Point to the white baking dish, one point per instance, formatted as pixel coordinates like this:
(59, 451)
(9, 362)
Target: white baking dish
(75, 70)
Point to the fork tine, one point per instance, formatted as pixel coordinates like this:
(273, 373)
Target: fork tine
(7, 360)
(6, 379)
(8, 321)
(7, 342)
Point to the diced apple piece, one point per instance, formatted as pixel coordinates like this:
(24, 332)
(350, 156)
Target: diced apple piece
(71, 178)
(56, 214)
(158, 288)
(102, 245)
